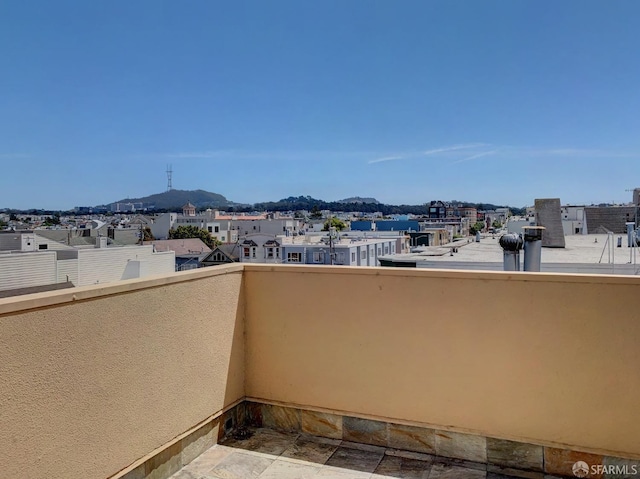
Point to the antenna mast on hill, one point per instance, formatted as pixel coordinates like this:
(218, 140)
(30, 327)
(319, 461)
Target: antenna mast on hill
(169, 175)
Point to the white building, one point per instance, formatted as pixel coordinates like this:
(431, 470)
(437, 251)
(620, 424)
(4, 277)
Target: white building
(574, 220)
(26, 267)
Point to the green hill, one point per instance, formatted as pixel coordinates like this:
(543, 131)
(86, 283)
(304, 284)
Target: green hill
(177, 198)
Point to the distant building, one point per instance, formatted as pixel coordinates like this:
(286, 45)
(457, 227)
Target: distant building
(189, 252)
(574, 220)
(385, 225)
(126, 207)
(225, 228)
(223, 254)
(32, 265)
(348, 252)
(609, 218)
(437, 209)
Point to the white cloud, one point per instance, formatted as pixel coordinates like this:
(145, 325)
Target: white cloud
(473, 157)
(453, 148)
(386, 158)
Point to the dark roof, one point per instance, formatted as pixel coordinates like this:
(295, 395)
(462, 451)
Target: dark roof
(230, 250)
(249, 242)
(182, 247)
(36, 289)
(272, 243)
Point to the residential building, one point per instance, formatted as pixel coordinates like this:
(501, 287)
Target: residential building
(189, 252)
(437, 210)
(354, 251)
(29, 268)
(222, 254)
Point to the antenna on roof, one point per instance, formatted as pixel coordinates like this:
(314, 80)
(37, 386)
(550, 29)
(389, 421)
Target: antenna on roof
(169, 176)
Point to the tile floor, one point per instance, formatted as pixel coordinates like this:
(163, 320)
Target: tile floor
(269, 454)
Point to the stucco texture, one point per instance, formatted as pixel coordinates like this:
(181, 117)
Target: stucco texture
(88, 386)
(542, 358)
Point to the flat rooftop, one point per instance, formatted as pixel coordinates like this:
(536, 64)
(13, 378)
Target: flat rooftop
(579, 249)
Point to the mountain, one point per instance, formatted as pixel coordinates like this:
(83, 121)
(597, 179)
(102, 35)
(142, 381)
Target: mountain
(358, 199)
(178, 198)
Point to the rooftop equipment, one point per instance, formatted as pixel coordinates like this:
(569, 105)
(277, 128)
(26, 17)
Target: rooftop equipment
(533, 247)
(511, 245)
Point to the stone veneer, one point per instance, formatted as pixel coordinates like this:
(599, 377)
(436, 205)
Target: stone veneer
(529, 461)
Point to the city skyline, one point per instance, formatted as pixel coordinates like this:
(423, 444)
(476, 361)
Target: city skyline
(499, 102)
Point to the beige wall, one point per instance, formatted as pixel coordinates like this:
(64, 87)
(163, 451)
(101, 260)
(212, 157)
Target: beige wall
(548, 359)
(88, 386)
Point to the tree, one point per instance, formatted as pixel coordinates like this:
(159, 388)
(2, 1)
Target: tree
(479, 226)
(315, 212)
(496, 224)
(190, 231)
(146, 234)
(335, 223)
(52, 220)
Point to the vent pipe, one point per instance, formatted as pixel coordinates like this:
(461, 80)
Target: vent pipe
(533, 247)
(630, 227)
(511, 245)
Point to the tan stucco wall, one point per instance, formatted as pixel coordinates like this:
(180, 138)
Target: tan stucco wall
(542, 358)
(92, 384)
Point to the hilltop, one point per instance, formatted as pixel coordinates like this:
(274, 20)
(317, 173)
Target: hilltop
(177, 198)
(358, 199)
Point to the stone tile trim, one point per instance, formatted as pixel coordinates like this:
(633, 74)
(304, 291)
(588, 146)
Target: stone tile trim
(529, 461)
(496, 456)
(162, 463)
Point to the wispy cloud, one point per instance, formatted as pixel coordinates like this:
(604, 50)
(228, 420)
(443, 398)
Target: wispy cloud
(473, 157)
(453, 148)
(417, 154)
(386, 158)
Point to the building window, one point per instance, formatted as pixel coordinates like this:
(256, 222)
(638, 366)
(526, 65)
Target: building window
(253, 252)
(210, 229)
(339, 258)
(277, 252)
(246, 252)
(386, 250)
(318, 257)
(217, 229)
(269, 252)
(363, 254)
(353, 257)
(294, 257)
(379, 251)
(222, 238)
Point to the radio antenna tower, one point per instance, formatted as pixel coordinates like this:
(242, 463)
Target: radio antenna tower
(169, 175)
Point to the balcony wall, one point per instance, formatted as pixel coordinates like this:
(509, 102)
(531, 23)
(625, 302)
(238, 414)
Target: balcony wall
(537, 358)
(94, 379)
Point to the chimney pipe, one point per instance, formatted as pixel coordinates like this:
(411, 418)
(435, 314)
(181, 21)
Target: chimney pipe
(511, 245)
(533, 247)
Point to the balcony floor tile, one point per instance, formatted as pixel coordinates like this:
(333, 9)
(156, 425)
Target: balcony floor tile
(269, 454)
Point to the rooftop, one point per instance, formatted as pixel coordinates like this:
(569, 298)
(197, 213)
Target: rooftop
(580, 249)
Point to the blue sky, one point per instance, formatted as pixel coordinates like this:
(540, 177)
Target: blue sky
(406, 101)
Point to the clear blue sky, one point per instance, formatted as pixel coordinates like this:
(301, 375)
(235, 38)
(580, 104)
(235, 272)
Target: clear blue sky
(406, 101)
